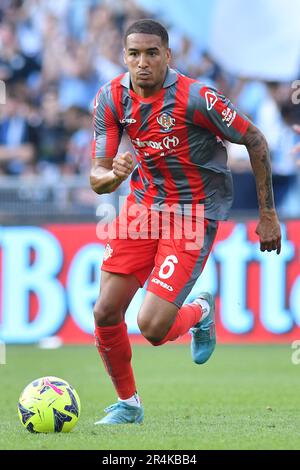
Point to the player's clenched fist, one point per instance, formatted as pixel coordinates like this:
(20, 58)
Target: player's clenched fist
(123, 165)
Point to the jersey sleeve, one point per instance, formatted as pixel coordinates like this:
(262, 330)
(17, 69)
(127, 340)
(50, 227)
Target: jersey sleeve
(107, 129)
(216, 113)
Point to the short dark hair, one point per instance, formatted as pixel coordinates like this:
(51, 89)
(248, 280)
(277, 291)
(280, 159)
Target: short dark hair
(147, 26)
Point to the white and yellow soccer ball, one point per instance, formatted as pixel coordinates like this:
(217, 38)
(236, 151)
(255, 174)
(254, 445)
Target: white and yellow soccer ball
(49, 404)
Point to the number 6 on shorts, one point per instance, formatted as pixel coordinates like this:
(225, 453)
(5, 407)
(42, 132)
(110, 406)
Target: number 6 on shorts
(169, 263)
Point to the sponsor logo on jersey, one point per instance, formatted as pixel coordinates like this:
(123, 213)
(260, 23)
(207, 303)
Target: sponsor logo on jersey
(229, 116)
(166, 121)
(211, 99)
(162, 284)
(107, 252)
(148, 143)
(168, 143)
(171, 142)
(127, 121)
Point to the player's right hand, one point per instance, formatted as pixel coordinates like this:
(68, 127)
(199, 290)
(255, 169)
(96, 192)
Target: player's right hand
(123, 165)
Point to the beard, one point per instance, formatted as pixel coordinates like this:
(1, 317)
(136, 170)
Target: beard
(146, 84)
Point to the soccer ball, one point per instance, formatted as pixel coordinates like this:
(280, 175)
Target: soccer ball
(49, 404)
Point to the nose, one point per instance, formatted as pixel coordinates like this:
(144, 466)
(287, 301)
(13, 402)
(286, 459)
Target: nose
(143, 62)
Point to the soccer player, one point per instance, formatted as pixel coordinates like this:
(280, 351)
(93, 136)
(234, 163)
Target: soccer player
(176, 126)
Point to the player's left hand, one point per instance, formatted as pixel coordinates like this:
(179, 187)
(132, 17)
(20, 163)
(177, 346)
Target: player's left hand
(269, 232)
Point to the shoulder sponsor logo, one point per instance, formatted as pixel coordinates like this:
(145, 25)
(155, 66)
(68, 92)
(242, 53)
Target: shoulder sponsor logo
(166, 121)
(211, 99)
(229, 116)
(127, 121)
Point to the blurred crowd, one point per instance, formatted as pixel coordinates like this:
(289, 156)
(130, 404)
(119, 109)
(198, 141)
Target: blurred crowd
(54, 56)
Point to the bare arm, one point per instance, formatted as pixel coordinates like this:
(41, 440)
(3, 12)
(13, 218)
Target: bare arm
(102, 178)
(108, 173)
(221, 113)
(259, 155)
(268, 228)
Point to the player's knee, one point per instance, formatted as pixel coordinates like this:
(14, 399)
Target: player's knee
(106, 313)
(151, 330)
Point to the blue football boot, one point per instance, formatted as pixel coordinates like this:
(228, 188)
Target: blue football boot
(204, 332)
(121, 413)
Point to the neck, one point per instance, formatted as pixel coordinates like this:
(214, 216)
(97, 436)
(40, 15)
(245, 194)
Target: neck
(146, 92)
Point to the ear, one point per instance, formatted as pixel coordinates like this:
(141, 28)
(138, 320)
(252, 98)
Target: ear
(168, 55)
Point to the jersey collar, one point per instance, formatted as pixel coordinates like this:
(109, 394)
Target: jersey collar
(171, 78)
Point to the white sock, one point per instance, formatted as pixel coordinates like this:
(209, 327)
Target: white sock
(132, 401)
(205, 308)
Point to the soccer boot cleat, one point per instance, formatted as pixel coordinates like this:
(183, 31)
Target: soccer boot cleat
(204, 332)
(121, 413)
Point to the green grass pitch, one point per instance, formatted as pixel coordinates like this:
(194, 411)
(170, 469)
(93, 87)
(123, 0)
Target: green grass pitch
(245, 397)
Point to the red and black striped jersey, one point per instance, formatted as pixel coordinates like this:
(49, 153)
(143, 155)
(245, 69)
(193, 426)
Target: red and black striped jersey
(177, 135)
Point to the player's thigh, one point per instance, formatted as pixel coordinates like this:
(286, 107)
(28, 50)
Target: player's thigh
(178, 265)
(130, 247)
(129, 252)
(156, 317)
(116, 293)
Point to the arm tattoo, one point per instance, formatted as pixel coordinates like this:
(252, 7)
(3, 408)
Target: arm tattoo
(261, 165)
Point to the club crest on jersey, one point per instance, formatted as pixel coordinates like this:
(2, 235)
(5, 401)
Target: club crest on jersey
(166, 121)
(107, 252)
(211, 99)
